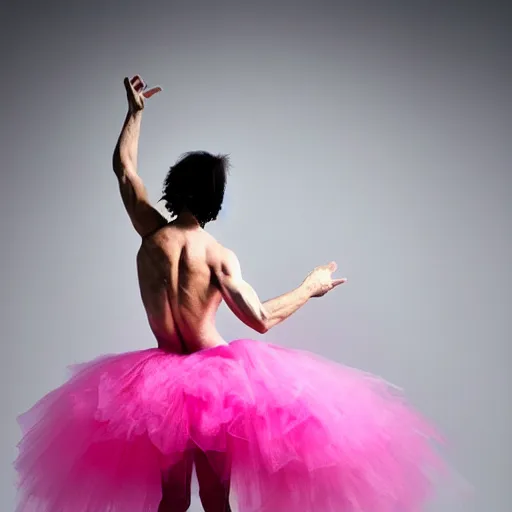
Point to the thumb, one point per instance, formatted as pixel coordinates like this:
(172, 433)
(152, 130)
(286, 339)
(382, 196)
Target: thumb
(332, 266)
(127, 84)
(151, 92)
(337, 282)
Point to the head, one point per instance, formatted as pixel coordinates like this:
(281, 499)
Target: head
(196, 183)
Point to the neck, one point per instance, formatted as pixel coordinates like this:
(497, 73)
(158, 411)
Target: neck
(185, 218)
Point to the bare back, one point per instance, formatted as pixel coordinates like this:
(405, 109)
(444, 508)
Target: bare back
(184, 274)
(178, 287)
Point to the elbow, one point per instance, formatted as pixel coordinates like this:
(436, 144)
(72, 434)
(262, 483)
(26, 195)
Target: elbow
(117, 164)
(123, 169)
(262, 328)
(263, 324)
(121, 161)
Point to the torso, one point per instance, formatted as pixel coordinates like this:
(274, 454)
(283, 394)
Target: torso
(178, 288)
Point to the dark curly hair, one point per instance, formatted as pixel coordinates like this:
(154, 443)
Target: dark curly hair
(197, 182)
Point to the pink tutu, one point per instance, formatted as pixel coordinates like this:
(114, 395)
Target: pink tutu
(301, 433)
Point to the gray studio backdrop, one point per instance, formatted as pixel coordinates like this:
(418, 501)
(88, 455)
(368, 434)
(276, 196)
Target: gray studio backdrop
(375, 134)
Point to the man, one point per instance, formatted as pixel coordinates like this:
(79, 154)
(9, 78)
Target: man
(184, 274)
(284, 429)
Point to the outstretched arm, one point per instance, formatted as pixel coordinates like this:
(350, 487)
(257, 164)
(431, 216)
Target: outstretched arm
(145, 218)
(243, 300)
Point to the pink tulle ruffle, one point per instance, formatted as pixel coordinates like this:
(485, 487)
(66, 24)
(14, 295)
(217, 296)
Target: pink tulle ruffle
(301, 433)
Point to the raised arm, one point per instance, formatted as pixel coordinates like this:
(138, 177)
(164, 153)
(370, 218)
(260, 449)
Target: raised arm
(145, 218)
(242, 299)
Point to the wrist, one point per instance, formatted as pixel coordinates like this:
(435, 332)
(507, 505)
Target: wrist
(306, 290)
(134, 112)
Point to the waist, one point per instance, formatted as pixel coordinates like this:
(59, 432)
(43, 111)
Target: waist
(177, 346)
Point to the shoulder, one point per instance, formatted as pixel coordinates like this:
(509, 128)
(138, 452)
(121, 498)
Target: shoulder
(162, 229)
(222, 259)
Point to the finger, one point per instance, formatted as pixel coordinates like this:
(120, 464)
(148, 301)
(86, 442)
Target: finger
(135, 79)
(130, 89)
(151, 92)
(337, 282)
(137, 83)
(127, 83)
(332, 266)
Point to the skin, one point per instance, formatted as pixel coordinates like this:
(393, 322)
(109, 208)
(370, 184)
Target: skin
(184, 275)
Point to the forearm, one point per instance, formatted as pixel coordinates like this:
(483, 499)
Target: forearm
(126, 150)
(279, 309)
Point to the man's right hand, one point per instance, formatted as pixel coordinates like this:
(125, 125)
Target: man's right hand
(320, 280)
(144, 216)
(137, 92)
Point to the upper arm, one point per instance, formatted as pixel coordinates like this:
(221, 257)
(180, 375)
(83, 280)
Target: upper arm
(145, 217)
(240, 297)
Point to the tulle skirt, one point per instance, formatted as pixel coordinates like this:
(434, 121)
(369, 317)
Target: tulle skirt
(297, 433)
